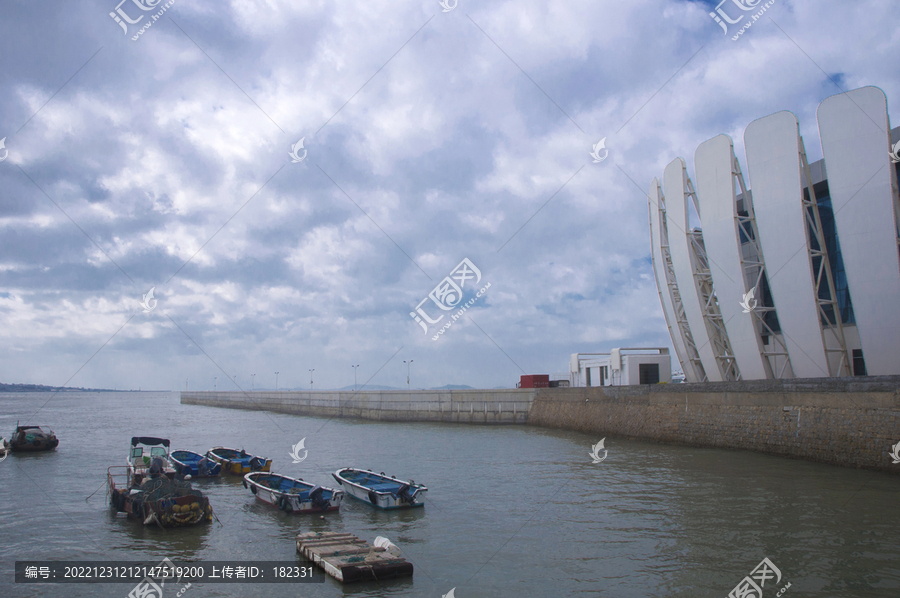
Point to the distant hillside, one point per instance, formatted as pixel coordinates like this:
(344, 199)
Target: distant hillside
(452, 387)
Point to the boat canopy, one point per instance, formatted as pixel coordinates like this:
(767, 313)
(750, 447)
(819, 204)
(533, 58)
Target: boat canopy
(149, 441)
(43, 429)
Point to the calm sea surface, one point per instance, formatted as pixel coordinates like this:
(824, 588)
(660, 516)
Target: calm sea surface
(511, 511)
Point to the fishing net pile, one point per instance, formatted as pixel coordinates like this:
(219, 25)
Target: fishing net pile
(163, 487)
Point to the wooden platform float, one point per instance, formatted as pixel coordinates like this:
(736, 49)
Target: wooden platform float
(348, 558)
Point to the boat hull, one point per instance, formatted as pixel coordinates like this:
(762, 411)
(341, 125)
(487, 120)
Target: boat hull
(233, 463)
(300, 501)
(183, 507)
(32, 440)
(379, 490)
(194, 465)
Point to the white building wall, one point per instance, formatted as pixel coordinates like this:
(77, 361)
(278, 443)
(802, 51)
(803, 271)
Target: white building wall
(679, 245)
(855, 134)
(716, 194)
(773, 161)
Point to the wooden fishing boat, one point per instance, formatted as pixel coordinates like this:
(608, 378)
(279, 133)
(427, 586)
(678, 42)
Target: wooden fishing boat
(292, 495)
(194, 464)
(238, 462)
(379, 490)
(148, 455)
(32, 438)
(146, 488)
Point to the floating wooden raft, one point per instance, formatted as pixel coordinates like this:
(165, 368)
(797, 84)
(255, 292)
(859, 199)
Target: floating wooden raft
(348, 558)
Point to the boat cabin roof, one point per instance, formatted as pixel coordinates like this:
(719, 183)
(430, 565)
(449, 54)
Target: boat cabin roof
(43, 429)
(149, 441)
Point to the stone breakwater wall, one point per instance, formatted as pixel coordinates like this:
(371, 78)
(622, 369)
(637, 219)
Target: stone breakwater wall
(458, 406)
(843, 421)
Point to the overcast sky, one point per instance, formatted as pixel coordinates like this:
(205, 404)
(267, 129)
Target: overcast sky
(428, 137)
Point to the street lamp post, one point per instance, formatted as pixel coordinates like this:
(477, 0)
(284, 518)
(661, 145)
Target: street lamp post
(310, 378)
(354, 375)
(215, 382)
(407, 372)
(252, 381)
(276, 381)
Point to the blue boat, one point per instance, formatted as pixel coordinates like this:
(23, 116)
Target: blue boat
(194, 464)
(379, 490)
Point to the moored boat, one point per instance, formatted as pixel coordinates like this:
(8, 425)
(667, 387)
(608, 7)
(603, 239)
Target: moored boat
(32, 438)
(379, 490)
(238, 462)
(146, 487)
(292, 495)
(156, 499)
(149, 455)
(194, 464)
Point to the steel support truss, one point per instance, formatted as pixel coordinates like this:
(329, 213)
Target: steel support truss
(693, 356)
(838, 355)
(753, 267)
(709, 305)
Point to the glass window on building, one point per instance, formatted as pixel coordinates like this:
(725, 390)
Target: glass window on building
(859, 363)
(649, 373)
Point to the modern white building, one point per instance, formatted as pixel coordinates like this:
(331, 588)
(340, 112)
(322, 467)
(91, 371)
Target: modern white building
(784, 278)
(621, 367)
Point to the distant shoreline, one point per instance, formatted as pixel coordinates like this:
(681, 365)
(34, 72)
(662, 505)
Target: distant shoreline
(42, 388)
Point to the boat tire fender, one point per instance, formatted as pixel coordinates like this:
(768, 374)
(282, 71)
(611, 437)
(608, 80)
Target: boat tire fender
(373, 498)
(252, 488)
(284, 503)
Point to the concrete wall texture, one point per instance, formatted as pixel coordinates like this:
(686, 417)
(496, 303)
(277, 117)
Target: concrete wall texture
(842, 421)
(462, 406)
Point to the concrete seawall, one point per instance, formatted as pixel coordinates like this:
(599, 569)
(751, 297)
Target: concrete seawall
(460, 406)
(851, 422)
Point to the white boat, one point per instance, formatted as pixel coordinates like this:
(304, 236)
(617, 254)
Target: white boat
(379, 490)
(292, 495)
(148, 457)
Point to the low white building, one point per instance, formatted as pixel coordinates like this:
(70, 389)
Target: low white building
(621, 367)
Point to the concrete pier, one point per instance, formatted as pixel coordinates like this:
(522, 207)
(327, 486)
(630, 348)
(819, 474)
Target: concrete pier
(458, 406)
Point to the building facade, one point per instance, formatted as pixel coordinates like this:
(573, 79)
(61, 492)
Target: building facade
(794, 270)
(621, 367)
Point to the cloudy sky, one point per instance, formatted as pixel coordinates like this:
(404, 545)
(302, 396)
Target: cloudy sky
(161, 159)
